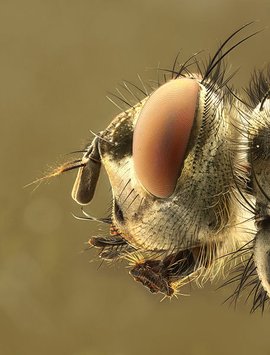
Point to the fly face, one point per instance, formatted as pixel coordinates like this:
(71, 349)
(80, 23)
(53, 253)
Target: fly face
(184, 205)
(170, 160)
(188, 168)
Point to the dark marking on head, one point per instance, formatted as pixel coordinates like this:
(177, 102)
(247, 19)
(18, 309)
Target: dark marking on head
(119, 144)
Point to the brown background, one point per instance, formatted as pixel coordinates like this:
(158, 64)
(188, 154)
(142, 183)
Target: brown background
(57, 61)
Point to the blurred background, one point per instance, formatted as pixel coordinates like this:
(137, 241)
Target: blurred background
(58, 60)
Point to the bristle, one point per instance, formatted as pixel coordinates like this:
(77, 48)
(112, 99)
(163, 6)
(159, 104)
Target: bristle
(68, 166)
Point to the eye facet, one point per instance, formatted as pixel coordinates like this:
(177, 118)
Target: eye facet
(162, 134)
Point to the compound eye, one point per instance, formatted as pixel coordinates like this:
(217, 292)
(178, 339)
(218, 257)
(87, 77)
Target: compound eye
(162, 134)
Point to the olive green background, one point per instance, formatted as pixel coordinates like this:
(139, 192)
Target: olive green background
(58, 59)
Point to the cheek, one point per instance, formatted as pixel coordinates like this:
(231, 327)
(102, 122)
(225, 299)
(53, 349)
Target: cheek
(162, 134)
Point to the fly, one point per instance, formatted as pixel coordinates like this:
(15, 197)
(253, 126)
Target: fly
(189, 168)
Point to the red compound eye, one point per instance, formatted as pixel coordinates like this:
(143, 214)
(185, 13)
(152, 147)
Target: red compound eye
(162, 133)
